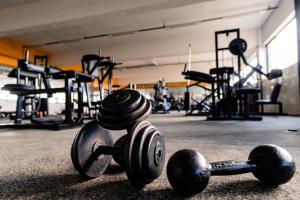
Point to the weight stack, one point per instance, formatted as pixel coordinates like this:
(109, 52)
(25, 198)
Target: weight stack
(187, 103)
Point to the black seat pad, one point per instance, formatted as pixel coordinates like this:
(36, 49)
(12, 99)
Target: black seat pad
(264, 101)
(51, 119)
(18, 89)
(248, 90)
(72, 74)
(90, 57)
(222, 70)
(198, 76)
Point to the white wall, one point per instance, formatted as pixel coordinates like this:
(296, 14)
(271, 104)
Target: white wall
(203, 58)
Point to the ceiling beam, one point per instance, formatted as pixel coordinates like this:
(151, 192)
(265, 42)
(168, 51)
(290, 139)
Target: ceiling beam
(163, 26)
(44, 14)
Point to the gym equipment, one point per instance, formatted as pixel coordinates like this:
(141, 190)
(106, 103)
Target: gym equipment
(225, 105)
(188, 171)
(161, 97)
(4, 114)
(122, 109)
(28, 75)
(102, 69)
(204, 106)
(231, 101)
(141, 151)
(273, 100)
(238, 47)
(177, 105)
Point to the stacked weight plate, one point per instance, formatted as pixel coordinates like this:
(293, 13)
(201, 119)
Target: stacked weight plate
(141, 152)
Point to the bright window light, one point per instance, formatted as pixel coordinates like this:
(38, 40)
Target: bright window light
(247, 70)
(282, 50)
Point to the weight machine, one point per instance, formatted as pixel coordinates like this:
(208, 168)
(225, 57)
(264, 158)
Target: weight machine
(102, 69)
(27, 76)
(204, 106)
(230, 103)
(190, 105)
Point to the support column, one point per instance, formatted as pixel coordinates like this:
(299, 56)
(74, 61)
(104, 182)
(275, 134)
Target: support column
(297, 9)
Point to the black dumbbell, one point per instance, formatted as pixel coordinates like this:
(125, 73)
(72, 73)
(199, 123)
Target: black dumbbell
(188, 171)
(141, 151)
(238, 46)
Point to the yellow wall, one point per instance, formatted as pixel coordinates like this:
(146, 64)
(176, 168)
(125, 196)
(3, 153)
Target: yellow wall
(77, 68)
(11, 51)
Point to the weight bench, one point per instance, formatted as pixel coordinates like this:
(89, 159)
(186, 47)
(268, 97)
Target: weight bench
(51, 122)
(198, 77)
(102, 68)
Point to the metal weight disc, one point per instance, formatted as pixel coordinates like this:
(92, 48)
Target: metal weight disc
(120, 143)
(138, 178)
(130, 166)
(85, 143)
(121, 100)
(153, 155)
(122, 109)
(238, 46)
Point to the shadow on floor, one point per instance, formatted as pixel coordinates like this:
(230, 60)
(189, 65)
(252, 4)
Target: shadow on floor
(74, 186)
(114, 169)
(28, 186)
(240, 188)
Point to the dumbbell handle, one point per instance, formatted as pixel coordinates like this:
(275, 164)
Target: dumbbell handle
(108, 150)
(231, 167)
(102, 150)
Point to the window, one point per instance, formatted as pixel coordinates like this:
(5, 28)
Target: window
(282, 50)
(253, 61)
(246, 70)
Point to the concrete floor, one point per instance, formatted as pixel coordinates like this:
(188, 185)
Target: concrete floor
(36, 164)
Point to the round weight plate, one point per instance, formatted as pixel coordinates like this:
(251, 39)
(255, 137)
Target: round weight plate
(133, 133)
(153, 155)
(85, 143)
(121, 100)
(138, 177)
(120, 143)
(121, 120)
(238, 46)
(124, 110)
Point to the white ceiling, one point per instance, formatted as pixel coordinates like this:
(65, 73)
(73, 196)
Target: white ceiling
(13, 3)
(39, 22)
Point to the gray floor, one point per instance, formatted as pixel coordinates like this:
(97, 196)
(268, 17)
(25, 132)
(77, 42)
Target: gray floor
(35, 164)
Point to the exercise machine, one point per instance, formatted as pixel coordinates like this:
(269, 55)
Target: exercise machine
(275, 74)
(231, 103)
(191, 105)
(27, 76)
(102, 69)
(203, 107)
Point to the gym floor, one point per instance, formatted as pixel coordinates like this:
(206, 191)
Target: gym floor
(36, 164)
